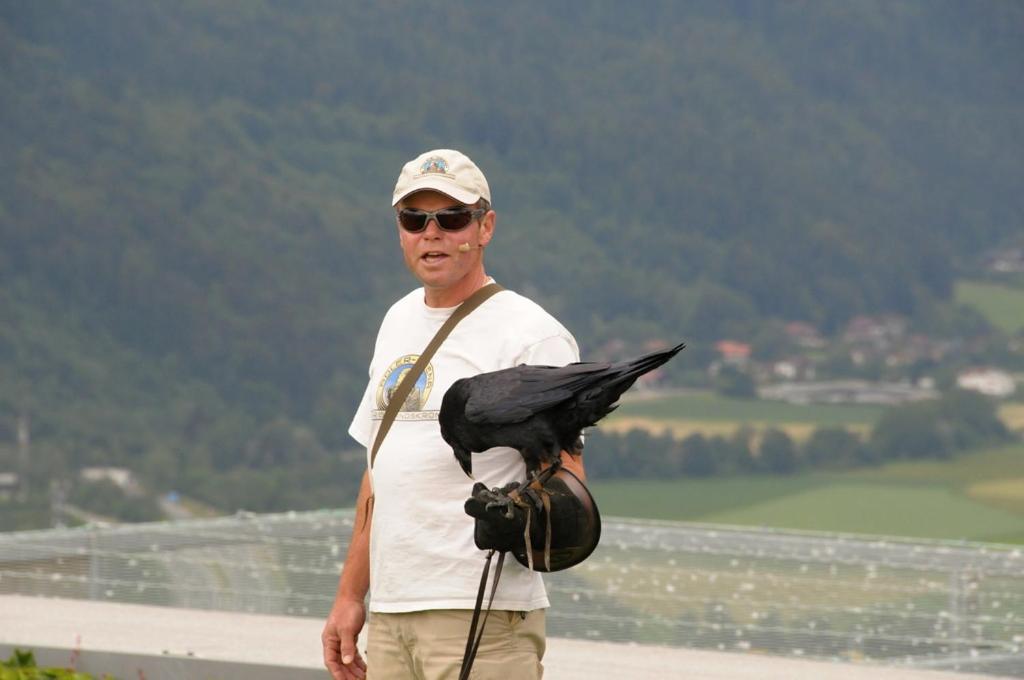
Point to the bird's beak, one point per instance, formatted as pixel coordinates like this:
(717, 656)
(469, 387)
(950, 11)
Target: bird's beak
(465, 462)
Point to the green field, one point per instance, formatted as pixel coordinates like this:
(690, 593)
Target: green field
(1003, 306)
(974, 497)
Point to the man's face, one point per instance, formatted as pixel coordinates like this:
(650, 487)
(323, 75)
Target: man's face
(433, 255)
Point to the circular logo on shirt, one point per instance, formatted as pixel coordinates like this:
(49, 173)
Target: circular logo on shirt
(394, 375)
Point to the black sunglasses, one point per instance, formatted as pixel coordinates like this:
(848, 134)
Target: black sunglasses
(449, 219)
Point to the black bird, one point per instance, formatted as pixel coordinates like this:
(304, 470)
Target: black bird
(538, 410)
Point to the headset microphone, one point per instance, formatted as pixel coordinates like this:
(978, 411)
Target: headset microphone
(465, 247)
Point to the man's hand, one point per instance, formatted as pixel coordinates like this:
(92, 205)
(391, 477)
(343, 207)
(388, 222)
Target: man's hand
(339, 639)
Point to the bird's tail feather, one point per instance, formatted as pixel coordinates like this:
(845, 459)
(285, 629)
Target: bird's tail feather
(608, 393)
(633, 369)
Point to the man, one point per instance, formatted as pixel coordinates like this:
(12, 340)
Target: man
(412, 544)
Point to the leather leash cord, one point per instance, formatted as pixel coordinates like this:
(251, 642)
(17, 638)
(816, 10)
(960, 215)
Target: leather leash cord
(404, 387)
(545, 497)
(474, 638)
(473, 641)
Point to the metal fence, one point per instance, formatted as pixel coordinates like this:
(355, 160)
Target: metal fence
(949, 605)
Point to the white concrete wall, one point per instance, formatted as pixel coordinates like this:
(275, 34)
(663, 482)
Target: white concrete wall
(169, 644)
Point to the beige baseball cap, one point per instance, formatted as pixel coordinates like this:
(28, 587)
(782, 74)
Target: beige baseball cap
(445, 170)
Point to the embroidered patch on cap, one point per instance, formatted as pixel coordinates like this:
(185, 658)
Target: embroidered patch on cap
(434, 164)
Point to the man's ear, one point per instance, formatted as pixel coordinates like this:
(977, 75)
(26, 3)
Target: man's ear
(487, 223)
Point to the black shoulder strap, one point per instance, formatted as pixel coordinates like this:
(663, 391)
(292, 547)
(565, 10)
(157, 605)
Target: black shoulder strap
(400, 394)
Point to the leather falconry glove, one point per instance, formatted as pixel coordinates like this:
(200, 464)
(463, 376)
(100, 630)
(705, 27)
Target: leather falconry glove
(500, 521)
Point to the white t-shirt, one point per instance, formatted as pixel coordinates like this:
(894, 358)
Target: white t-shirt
(422, 554)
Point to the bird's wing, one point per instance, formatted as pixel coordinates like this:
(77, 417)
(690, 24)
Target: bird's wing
(512, 395)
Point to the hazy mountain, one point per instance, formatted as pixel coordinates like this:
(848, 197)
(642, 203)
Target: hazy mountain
(194, 197)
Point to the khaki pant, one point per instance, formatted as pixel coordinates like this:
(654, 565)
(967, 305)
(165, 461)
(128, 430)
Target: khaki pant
(429, 645)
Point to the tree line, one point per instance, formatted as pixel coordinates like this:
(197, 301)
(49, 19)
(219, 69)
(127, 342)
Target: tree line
(935, 429)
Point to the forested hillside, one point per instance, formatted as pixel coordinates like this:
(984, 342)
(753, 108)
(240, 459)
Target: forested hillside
(196, 239)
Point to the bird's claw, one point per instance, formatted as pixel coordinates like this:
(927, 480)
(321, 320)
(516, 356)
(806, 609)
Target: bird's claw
(502, 498)
(505, 503)
(499, 498)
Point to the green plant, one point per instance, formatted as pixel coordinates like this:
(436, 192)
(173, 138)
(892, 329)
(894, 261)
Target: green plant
(22, 666)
